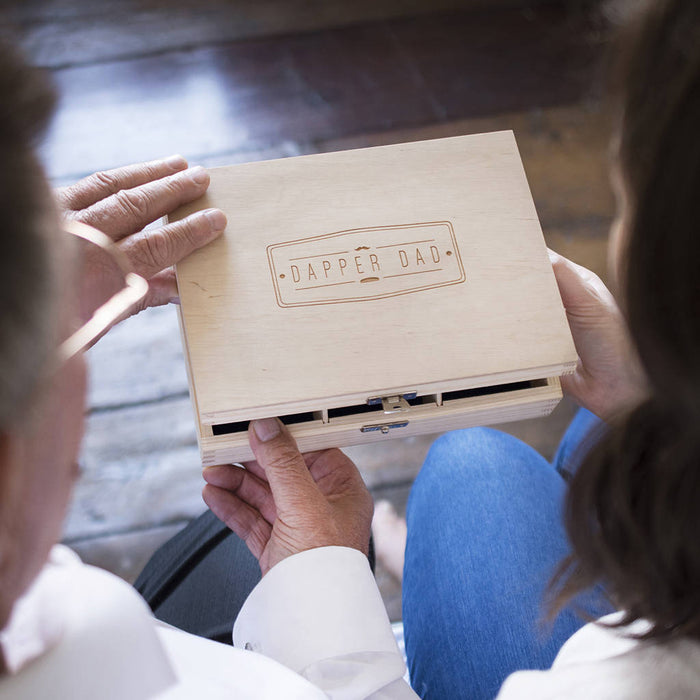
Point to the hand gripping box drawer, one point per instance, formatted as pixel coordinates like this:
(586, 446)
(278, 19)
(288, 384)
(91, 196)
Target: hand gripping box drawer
(371, 294)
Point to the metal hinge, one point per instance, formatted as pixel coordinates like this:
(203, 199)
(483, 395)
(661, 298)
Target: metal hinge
(393, 404)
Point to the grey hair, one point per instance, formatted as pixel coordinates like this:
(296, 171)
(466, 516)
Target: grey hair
(28, 256)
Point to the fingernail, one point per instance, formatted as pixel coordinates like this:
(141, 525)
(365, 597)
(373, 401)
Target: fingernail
(176, 162)
(199, 175)
(266, 429)
(216, 219)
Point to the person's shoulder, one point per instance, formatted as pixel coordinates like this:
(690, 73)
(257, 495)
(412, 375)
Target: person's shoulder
(607, 663)
(89, 599)
(103, 636)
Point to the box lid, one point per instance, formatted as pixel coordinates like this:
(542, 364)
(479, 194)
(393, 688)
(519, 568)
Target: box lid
(341, 276)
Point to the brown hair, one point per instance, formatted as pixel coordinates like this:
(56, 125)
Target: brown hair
(633, 509)
(27, 279)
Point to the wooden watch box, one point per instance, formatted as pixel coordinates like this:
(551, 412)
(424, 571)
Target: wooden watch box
(371, 294)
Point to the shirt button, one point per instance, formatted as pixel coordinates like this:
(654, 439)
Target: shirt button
(248, 646)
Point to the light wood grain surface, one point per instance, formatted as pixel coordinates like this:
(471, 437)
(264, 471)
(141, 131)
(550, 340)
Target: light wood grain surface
(501, 321)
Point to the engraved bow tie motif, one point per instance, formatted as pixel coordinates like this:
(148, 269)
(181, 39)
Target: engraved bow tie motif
(365, 263)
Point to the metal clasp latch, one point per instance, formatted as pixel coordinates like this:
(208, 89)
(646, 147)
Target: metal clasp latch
(393, 404)
(384, 428)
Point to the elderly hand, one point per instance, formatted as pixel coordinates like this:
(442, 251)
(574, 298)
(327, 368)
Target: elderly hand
(122, 202)
(608, 378)
(284, 502)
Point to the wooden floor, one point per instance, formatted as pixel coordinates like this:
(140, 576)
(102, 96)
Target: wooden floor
(223, 82)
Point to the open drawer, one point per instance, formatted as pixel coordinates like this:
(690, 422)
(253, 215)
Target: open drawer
(397, 416)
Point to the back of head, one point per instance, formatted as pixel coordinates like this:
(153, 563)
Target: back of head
(632, 512)
(26, 210)
(659, 154)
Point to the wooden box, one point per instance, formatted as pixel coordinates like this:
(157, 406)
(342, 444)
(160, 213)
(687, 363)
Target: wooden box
(371, 294)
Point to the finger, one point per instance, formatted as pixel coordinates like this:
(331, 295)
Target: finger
(245, 485)
(580, 288)
(154, 249)
(100, 185)
(322, 462)
(310, 459)
(243, 519)
(130, 210)
(574, 384)
(162, 289)
(256, 469)
(276, 452)
(334, 472)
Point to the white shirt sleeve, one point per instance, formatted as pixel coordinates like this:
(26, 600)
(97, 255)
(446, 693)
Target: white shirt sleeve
(320, 614)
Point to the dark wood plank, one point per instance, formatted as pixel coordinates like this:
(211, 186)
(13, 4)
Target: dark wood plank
(484, 63)
(225, 99)
(315, 86)
(332, 11)
(69, 32)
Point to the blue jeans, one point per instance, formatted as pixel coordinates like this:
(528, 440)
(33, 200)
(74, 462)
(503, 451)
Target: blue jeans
(485, 534)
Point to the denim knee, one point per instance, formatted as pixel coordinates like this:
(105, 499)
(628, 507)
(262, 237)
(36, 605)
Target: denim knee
(457, 457)
(470, 461)
(469, 449)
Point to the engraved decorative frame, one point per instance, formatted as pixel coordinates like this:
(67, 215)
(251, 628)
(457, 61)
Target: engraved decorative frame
(439, 248)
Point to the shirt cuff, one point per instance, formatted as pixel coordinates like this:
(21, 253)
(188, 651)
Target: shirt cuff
(319, 604)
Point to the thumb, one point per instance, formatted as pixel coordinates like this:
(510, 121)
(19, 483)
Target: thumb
(582, 291)
(277, 454)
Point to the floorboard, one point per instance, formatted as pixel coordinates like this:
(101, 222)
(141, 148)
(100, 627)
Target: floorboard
(319, 86)
(60, 33)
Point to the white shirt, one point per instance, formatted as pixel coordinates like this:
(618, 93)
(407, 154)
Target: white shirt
(315, 628)
(608, 664)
